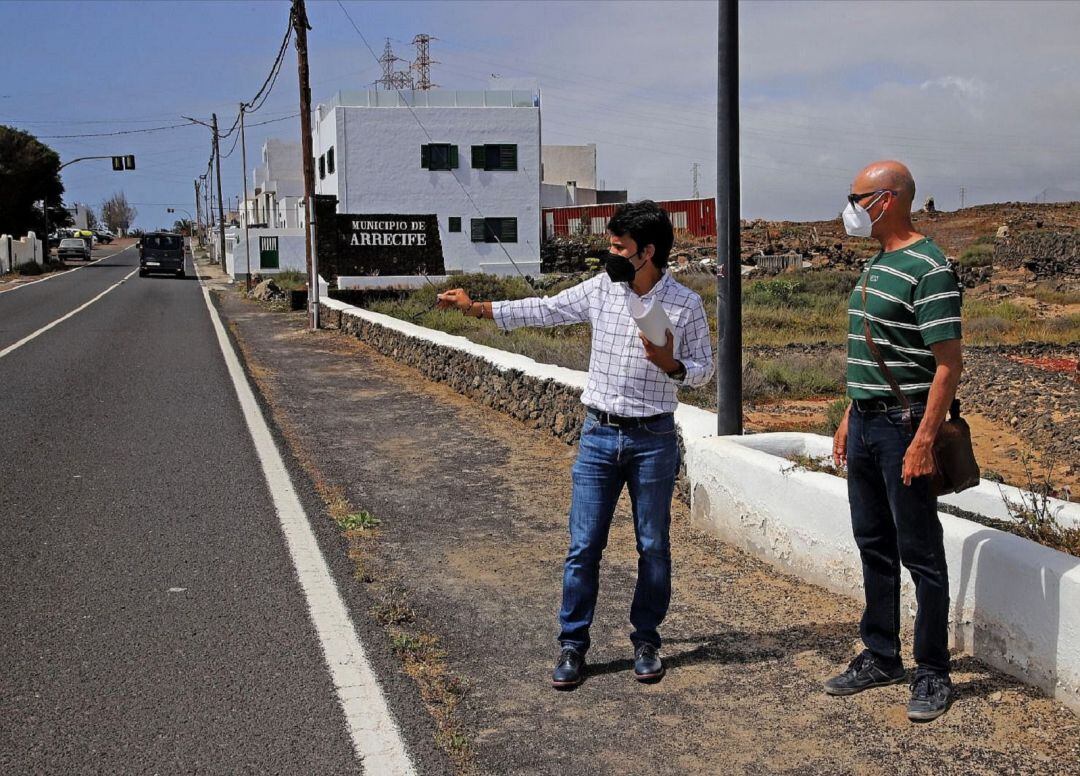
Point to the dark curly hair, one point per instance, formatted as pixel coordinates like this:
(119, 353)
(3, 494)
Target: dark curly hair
(648, 224)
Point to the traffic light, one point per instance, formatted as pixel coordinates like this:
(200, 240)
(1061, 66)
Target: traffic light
(118, 162)
(129, 162)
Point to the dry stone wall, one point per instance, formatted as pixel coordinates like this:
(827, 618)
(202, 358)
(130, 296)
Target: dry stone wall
(1047, 254)
(543, 404)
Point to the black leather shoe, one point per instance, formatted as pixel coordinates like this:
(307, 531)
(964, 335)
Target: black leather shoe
(647, 664)
(931, 694)
(864, 672)
(569, 669)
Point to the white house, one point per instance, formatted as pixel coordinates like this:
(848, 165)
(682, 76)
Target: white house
(80, 215)
(472, 158)
(568, 178)
(278, 188)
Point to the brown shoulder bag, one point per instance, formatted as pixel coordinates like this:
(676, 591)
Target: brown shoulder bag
(955, 467)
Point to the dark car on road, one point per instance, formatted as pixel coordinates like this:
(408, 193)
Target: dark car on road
(161, 252)
(73, 248)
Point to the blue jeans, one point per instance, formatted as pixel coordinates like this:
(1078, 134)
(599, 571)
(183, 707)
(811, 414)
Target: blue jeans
(646, 460)
(896, 524)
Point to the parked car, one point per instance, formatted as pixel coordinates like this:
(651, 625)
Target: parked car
(161, 252)
(73, 248)
(104, 237)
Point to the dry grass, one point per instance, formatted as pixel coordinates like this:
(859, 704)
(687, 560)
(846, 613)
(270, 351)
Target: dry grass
(808, 307)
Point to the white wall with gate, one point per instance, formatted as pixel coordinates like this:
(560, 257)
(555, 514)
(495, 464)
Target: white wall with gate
(272, 251)
(16, 252)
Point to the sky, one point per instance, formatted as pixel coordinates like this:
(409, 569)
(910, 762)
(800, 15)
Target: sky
(979, 95)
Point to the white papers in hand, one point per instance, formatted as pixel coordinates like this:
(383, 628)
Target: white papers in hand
(650, 318)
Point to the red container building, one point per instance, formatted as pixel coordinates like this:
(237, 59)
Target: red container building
(694, 216)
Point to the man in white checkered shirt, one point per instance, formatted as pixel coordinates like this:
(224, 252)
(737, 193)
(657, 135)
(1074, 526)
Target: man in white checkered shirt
(629, 436)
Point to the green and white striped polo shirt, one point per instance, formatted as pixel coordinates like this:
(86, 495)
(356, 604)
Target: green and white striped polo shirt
(912, 301)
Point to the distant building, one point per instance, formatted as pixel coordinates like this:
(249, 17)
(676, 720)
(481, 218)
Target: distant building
(696, 217)
(81, 215)
(276, 198)
(568, 178)
(469, 158)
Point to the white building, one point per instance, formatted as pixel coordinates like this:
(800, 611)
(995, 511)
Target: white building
(472, 158)
(80, 214)
(568, 178)
(278, 188)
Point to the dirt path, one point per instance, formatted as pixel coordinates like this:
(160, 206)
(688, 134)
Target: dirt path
(469, 554)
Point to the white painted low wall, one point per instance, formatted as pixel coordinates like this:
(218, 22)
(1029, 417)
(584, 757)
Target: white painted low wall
(292, 255)
(16, 252)
(1015, 603)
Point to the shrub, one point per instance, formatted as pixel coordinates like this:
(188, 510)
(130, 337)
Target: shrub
(1046, 293)
(290, 279)
(775, 292)
(33, 268)
(989, 329)
(793, 376)
(977, 255)
(834, 414)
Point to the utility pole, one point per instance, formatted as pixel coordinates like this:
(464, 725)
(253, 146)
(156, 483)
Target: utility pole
(697, 191)
(220, 196)
(728, 273)
(247, 214)
(198, 213)
(300, 27)
(962, 192)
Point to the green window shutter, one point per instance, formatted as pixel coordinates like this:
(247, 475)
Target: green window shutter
(453, 157)
(508, 157)
(479, 157)
(477, 229)
(425, 156)
(455, 223)
(508, 230)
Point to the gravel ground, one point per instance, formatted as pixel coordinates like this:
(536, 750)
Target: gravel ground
(473, 508)
(1043, 407)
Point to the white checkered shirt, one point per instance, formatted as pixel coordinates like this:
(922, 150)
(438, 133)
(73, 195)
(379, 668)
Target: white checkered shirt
(622, 380)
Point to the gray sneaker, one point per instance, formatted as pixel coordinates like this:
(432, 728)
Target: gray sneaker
(931, 694)
(864, 672)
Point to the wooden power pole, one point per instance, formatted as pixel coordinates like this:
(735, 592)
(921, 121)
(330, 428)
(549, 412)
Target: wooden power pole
(198, 213)
(220, 196)
(300, 27)
(247, 213)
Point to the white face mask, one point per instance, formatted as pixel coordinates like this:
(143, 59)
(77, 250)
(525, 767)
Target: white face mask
(857, 221)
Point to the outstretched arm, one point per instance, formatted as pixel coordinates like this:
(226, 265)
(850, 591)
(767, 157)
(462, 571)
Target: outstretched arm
(569, 306)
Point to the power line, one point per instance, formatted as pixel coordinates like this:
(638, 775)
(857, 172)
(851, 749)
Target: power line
(121, 132)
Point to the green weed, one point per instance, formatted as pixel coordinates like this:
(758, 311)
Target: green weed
(357, 521)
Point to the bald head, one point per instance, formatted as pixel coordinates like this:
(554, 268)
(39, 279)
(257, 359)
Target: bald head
(888, 175)
(890, 214)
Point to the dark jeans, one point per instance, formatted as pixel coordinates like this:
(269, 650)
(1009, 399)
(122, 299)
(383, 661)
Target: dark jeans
(646, 460)
(896, 524)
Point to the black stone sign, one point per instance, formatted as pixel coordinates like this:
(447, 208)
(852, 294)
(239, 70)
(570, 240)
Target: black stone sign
(376, 244)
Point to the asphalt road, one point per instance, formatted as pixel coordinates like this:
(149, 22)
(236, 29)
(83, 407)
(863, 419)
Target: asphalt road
(152, 620)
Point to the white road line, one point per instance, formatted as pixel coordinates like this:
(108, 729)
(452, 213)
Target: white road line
(65, 272)
(80, 308)
(375, 735)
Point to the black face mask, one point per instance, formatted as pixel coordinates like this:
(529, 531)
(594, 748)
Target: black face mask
(620, 269)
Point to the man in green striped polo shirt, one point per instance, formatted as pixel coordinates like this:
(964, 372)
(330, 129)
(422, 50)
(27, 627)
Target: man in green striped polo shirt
(907, 302)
